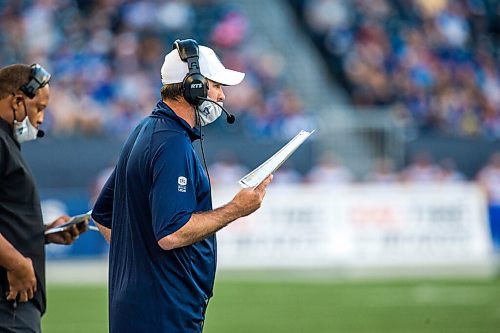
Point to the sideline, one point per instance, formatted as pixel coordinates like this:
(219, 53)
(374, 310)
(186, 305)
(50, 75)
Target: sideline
(81, 271)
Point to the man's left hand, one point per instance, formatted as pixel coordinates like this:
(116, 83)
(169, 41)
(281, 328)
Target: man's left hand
(68, 236)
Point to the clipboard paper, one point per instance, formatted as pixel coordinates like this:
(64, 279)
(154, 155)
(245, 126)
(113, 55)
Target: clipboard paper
(256, 176)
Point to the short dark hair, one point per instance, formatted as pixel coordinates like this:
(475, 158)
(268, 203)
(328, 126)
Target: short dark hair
(12, 77)
(172, 91)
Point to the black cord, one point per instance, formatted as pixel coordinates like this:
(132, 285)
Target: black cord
(201, 146)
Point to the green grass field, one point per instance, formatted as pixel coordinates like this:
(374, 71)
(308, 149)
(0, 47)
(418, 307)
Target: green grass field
(457, 306)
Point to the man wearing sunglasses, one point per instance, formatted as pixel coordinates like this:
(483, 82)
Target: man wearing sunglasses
(24, 96)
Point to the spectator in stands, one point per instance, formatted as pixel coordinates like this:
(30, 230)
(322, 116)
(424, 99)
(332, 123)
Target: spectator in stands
(227, 170)
(422, 169)
(24, 96)
(383, 172)
(448, 172)
(106, 56)
(98, 183)
(329, 171)
(293, 119)
(489, 179)
(287, 174)
(437, 59)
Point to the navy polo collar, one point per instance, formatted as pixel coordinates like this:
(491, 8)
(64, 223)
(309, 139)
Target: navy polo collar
(164, 110)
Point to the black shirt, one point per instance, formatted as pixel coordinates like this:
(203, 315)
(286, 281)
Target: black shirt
(21, 220)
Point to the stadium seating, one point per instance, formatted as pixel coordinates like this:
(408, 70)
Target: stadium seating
(435, 62)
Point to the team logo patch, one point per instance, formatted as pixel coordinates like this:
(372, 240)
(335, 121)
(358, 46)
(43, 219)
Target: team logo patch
(181, 184)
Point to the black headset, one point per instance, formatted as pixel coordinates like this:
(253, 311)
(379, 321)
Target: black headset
(195, 85)
(39, 78)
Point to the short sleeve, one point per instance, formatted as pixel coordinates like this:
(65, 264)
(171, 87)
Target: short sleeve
(173, 190)
(102, 212)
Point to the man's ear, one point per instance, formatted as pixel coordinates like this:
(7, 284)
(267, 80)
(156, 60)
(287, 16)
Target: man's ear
(16, 101)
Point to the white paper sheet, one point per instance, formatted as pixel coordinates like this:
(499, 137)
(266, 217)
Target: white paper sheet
(260, 173)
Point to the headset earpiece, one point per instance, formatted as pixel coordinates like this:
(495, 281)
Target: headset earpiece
(39, 77)
(194, 85)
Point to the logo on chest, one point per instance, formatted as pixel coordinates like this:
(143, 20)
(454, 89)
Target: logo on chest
(181, 184)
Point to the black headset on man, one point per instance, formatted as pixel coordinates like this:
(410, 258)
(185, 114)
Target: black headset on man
(195, 85)
(39, 78)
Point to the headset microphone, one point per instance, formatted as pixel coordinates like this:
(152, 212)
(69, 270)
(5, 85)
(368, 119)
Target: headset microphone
(40, 134)
(230, 119)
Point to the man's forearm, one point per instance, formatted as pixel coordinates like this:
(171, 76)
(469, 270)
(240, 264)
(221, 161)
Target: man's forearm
(200, 226)
(9, 256)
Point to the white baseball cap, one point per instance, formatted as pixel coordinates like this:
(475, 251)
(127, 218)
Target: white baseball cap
(174, 70)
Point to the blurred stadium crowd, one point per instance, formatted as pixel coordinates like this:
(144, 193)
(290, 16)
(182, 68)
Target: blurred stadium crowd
(330, 170)
(105, 57)
(436, 61)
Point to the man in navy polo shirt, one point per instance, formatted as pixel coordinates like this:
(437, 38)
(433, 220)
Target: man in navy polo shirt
(156, 210)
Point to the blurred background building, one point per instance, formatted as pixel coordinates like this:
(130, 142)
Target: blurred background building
(400, 92)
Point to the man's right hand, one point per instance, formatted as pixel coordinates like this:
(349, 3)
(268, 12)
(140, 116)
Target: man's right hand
(249, 200)
(22, 281)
